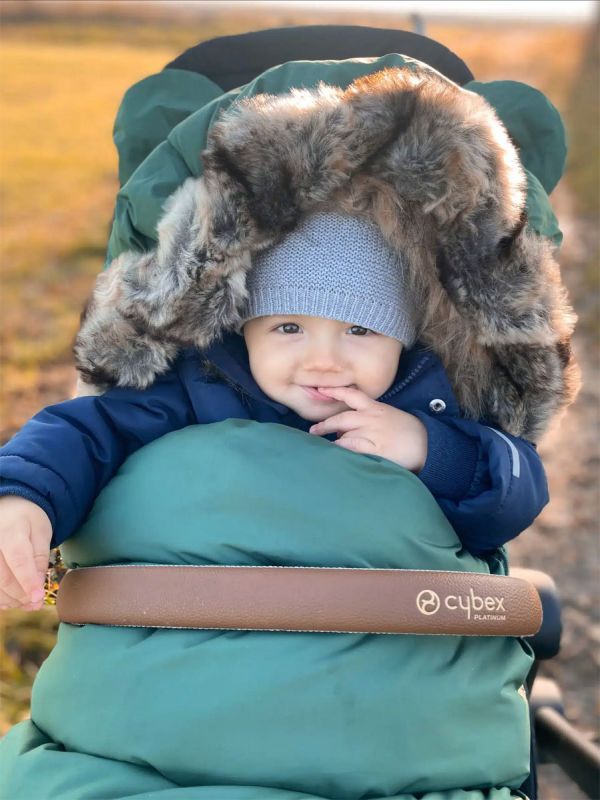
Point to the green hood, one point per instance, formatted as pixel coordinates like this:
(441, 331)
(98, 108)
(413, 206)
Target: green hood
(162, 125)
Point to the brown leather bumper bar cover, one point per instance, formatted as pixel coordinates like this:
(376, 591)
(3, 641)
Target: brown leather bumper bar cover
(320, 599)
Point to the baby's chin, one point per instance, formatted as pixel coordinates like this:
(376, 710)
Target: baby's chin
(319, 414)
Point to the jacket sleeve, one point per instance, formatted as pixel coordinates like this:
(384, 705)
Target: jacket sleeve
(65, 455)
(490, 485)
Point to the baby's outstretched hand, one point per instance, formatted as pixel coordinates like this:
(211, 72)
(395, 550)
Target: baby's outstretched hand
(376, 428)
(25, 534)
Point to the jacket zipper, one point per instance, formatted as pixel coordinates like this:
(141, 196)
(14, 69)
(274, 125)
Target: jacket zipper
(410, 377)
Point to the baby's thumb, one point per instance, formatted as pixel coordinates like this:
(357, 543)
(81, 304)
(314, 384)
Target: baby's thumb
(41, 535)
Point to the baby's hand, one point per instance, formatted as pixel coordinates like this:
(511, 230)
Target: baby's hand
(376, 428)
(25, 534)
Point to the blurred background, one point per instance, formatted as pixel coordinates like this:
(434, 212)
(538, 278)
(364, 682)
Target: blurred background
(64, 67)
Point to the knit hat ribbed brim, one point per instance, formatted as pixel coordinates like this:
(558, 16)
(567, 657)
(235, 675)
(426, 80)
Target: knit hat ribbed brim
(338, 267)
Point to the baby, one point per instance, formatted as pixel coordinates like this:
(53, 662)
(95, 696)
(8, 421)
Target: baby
(327, 345)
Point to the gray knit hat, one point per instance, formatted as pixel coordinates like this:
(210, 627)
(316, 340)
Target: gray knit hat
(335, 266)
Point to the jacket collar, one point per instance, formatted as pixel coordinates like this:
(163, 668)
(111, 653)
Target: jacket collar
(230, 356)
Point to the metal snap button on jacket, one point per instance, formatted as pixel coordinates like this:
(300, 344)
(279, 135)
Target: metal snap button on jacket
(437, 406)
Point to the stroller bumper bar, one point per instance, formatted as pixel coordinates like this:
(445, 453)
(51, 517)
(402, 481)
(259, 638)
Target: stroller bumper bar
(315, 599)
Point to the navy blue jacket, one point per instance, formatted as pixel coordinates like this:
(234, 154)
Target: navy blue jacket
(490, 485)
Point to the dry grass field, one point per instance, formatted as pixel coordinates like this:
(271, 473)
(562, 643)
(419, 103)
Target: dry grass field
(61, 81)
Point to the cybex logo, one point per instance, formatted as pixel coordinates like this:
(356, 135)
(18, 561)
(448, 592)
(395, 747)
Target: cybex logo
(428, 602)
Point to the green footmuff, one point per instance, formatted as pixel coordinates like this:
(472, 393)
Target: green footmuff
(193, 714)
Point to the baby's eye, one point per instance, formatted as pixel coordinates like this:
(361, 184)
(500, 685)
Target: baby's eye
(288, 327)
(358, 330)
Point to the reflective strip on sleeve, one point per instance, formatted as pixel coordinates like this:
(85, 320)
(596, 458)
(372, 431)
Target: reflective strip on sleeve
(516, 459)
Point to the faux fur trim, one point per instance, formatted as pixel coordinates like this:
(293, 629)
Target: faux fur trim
(431, 165)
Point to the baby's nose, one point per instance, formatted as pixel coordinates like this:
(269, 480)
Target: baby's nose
(322, 367)
(322, 360)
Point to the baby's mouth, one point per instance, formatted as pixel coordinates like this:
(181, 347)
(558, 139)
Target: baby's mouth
(313, 391)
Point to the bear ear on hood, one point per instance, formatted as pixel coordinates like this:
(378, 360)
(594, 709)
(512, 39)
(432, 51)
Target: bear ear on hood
(431, 165)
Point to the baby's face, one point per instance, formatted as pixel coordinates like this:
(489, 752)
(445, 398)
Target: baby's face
(292, 355)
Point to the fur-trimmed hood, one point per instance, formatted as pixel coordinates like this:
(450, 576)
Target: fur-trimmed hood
(431, 165)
